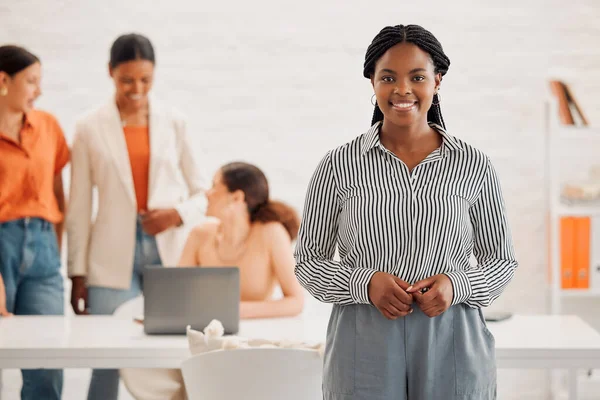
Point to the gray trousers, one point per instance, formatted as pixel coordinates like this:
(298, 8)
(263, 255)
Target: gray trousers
(368, 357)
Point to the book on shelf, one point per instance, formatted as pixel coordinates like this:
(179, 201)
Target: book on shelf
(567, 249)
(569, 109)
(580, 253)
(595, 253)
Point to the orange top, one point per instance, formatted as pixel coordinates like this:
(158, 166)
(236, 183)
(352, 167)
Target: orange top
(27, 169)
(138, 147)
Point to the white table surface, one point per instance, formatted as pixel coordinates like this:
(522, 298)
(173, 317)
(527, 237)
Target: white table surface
(546, 341)
(112, 342)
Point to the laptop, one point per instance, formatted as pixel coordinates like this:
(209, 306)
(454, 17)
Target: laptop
(177, 297)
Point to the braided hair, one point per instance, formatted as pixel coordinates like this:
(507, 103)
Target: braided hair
(419, 36)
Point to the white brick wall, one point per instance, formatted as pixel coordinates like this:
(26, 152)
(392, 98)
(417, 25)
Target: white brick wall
(278, 84)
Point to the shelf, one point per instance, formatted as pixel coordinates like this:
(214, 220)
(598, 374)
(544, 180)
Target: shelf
(579, 292)
(570, 154)
(563, 210)
(576, 132)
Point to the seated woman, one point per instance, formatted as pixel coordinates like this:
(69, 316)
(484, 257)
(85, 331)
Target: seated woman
(253, 233)
(248, 231)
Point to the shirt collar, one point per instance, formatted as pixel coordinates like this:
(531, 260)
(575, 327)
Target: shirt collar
(449, 142)
(371, 139)
(26, 128)
(28, 121)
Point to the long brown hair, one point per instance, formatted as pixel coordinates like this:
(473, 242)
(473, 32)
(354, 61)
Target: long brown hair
(252, 181)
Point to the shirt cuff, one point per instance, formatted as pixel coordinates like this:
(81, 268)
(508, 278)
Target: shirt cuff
(191, 210)
(359, 285)
(183, 209)
(461, 286)
(76, 269)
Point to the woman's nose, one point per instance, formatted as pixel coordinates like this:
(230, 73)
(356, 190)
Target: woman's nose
(139, 87)
(402, 88)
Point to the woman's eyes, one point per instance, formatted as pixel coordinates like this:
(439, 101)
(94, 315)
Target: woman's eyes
(145, 81)
(389, 79)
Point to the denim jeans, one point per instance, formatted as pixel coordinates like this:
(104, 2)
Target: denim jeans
(30, 267)
(104, 301)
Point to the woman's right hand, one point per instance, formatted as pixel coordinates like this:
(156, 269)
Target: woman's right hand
(78, 293)
(388, 294)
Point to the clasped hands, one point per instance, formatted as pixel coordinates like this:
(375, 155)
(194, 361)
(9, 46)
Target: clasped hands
(394, 297)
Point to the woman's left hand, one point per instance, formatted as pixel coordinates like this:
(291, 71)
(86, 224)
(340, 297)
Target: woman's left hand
(159, 220)
(438, 295)
(5, 313)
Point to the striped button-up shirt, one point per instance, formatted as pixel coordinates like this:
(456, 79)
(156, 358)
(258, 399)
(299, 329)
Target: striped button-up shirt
(412, 224)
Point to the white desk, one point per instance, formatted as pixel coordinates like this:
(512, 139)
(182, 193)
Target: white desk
(110, 342)
(547, 342)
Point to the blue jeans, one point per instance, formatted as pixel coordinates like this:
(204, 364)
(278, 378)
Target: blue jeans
(104, 301)
(30, 267)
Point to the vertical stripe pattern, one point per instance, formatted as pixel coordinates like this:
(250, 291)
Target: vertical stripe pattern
(363, 201)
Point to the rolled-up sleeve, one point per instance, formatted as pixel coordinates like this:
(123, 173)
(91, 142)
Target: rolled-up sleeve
(493, 248)
(326, 279)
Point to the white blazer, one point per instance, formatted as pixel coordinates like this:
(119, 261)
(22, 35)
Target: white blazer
(103, 250)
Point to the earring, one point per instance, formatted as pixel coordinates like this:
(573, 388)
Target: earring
(3, 91)
(439, 99)
(373, 102)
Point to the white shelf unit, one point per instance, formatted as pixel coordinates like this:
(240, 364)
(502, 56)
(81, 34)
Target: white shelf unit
(563, 210)
(579, 293)
(578, 144)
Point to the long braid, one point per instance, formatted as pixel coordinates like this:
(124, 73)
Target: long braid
(419, 36)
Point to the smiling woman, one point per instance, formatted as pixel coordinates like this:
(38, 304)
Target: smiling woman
(131, 67)
(406, 204)
(136, 153)
(33, 152)
(423, 60)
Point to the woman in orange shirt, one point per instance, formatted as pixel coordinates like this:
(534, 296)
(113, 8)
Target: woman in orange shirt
(33, 152)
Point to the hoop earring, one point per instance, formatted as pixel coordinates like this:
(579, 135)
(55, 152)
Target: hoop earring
(439, 99)
(373, 102)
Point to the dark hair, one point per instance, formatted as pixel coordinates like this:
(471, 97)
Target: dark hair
(131, 47)
(253, 182)
(419, 36)
(14, 59)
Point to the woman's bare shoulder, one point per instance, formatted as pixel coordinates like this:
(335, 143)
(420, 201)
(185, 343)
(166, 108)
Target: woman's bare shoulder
(274, 232)
(205, 230)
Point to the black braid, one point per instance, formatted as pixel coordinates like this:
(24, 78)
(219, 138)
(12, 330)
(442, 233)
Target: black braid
(419, 36)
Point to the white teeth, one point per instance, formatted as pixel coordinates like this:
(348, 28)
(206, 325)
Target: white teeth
(404, 105)
(135, 96)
